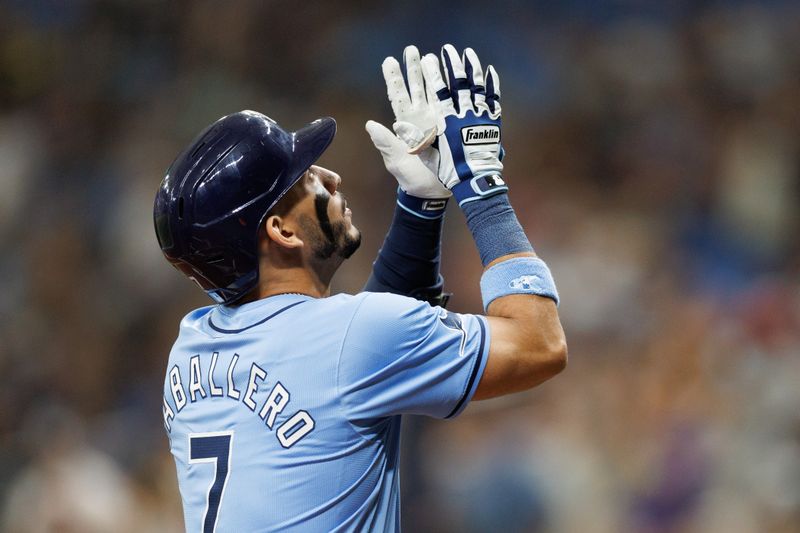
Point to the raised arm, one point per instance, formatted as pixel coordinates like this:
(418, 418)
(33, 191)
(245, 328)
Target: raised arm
(520, 298)
(408, 261)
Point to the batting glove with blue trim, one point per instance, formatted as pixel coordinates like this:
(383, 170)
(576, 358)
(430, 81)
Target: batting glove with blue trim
(468, 143)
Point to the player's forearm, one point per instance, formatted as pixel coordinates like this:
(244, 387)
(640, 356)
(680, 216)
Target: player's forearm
(410, 256)
(528, 345)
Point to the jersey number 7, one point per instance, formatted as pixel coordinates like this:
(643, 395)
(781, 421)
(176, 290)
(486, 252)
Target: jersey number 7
(212, 448)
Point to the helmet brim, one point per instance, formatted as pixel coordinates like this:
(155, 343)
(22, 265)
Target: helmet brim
(309, 143)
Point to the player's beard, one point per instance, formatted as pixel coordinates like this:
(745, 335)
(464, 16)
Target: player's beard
(335, 239)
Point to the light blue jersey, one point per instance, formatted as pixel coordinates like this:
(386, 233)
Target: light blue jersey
(284, 413)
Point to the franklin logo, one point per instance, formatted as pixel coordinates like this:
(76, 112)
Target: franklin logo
(480, 135)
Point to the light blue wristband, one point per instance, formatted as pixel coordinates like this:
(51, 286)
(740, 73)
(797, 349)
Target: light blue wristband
(520, 275)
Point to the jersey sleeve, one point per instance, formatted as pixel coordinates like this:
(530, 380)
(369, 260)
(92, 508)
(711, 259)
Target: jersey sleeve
(402, 356)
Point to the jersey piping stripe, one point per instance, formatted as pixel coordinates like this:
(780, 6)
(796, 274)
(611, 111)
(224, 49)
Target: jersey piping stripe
(273, 315)
(474, 371)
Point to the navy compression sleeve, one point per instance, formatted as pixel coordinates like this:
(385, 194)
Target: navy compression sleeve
(408, 262)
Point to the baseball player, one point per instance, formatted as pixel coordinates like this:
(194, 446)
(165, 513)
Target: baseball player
(283, 404)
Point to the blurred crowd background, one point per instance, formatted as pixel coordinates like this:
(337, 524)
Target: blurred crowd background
(653, 154)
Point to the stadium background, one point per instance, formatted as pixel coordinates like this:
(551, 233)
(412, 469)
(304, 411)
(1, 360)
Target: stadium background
(653, 156)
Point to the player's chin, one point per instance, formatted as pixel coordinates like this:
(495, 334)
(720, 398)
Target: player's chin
(351, 242)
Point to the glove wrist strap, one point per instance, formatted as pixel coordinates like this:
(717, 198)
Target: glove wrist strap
(479, 188)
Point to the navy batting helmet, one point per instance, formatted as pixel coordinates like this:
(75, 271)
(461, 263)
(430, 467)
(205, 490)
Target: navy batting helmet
(218, 191)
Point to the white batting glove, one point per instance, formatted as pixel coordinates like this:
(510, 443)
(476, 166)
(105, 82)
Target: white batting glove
(413, 176)
(416, 122)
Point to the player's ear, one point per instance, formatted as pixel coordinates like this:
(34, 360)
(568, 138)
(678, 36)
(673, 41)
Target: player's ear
(280, 231)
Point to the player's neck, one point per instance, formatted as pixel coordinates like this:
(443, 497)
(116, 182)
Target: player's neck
(296, 280)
